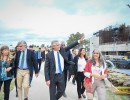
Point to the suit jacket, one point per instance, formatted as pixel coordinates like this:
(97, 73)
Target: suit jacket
(44, 55)
(31, 61)
(50, 67)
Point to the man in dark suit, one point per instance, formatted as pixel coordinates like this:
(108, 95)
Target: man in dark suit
(46, 50)
(24, 63)
(66, 66)
(39, 58)
(54, 68)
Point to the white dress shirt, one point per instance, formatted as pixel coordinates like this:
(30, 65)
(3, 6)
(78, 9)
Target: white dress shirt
(81, 64)
(56, 62)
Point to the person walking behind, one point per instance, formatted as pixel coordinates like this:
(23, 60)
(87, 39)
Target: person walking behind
(39, 58)
(54, 68)
(17, 48)
(95, 72)
(25, 61)
(74, 53)
(80, 62)
(31, 77)
(6, 70)
(46, 50)
(66, 66)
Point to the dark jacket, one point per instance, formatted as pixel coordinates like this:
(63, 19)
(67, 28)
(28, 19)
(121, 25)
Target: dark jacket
(31, 62)
(50, 67)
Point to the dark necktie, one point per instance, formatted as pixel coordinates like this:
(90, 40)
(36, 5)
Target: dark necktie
(22, 60)
(59, 64)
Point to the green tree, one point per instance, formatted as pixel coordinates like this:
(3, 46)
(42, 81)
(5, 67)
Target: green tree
(73, 37)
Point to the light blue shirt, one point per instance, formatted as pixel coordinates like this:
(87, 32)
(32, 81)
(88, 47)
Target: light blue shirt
(25, 60)
(39, 54)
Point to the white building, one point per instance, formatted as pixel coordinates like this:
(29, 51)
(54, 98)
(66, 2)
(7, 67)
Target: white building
(113, 49)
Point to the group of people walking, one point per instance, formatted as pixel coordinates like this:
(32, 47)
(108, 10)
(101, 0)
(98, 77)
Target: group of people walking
(88, 73)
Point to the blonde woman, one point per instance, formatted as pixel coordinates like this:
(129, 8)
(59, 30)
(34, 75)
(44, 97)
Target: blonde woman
(95, 72)
(6, 70)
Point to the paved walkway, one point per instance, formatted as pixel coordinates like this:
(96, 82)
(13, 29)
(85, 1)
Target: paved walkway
(40, 91)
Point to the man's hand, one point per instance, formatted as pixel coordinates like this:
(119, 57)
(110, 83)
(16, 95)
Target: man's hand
(82, 37)
(48, 83)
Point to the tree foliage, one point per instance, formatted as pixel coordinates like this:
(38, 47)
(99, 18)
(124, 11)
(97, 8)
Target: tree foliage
(73, 37)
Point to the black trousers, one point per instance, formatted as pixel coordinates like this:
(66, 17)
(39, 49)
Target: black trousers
(80, 80)
(16, 85)
(57, 86)
(65, 77)
(6, 88)
(73, 80)
(39, 61)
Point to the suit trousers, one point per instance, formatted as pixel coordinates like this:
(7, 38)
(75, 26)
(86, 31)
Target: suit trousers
(39, 63)
(57, 86)
(23, 77)
(65, 76)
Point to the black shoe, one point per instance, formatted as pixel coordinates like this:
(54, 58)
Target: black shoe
(83, 96)
(73, 83)
(26, 99)
(79, 98)
(64, 94)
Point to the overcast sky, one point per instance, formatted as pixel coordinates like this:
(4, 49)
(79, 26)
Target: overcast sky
(45, 20)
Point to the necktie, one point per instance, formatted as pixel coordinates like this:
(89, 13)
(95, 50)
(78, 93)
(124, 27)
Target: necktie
(22, 60)
(59, 64)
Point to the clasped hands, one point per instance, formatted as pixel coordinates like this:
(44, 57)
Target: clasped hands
(100, 77)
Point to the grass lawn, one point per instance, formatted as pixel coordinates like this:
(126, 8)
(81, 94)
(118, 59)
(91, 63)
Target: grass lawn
(1, 92)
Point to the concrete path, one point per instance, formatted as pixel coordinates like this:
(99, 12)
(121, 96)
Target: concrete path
(40, 91)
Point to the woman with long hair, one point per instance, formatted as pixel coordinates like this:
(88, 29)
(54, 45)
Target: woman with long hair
(80, 62)
(6, 70)
(95, 72)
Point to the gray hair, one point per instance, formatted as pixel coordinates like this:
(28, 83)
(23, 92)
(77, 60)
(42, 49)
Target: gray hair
(22, 42)
(53, 42)
(101, 59)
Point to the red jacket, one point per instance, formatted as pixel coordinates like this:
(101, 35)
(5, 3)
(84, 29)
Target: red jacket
(88, 68)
